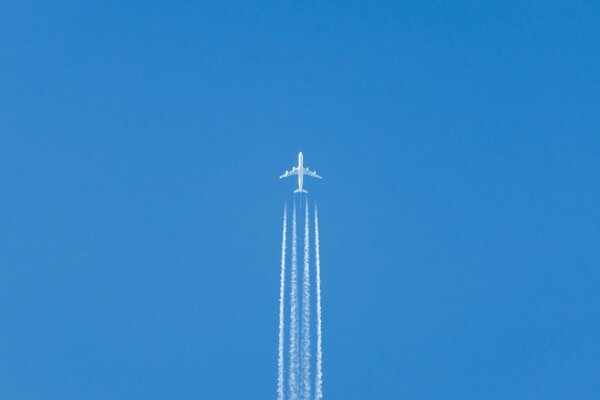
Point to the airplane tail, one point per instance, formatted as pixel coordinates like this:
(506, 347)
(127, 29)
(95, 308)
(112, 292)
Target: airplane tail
(300, 191)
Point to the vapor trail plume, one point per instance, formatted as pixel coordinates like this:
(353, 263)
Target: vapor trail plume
(319, 373)
(306, 313)
(294, 361)
(280, 367)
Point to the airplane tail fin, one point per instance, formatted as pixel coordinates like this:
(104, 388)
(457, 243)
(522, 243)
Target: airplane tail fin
(300, 191)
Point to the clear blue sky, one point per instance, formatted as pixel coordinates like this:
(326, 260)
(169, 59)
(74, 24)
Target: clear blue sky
(140, 213)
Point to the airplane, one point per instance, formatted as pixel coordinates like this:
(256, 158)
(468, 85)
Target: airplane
(300, 170)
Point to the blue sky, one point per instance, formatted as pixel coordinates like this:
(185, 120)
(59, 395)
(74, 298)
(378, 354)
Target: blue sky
(140, 214)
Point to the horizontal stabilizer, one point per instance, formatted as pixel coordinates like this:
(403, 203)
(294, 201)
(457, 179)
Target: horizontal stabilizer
(300, 191)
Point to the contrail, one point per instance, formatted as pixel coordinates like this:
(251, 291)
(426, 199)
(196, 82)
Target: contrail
(280, 371)
(293, 379)
(306, 313)
(319, 373)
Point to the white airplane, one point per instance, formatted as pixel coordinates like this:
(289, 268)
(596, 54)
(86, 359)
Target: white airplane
(300, 170)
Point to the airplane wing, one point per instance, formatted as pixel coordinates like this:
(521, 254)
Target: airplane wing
(293, 171)
(311, 173)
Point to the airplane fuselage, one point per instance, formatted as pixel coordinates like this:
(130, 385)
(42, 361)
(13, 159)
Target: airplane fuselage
(300, 170)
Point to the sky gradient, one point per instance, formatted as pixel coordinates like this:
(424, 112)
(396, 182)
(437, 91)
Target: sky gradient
(140, 211)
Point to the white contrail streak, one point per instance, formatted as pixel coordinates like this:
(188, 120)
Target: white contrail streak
(306, 313)
(294, 361)
(319, 373)
(280, 367)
